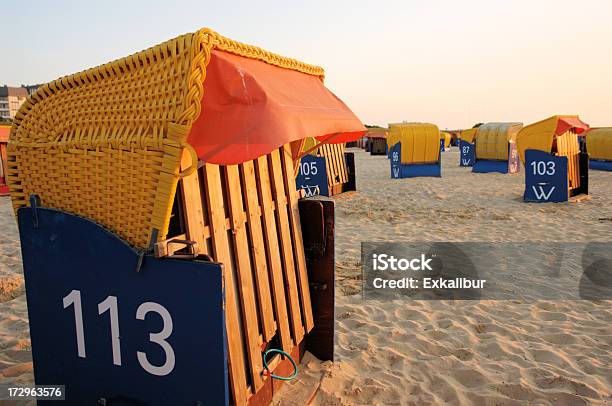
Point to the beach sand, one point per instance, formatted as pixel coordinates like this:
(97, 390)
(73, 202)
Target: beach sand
(404, 352)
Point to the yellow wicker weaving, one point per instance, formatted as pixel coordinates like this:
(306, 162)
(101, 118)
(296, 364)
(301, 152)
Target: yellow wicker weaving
(106, 143)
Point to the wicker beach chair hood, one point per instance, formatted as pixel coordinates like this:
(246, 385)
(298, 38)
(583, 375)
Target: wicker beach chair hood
(420, 141)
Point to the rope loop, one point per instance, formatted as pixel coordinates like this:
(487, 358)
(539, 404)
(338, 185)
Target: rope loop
(267, 369)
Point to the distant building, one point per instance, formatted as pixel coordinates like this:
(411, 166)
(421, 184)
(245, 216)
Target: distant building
(31, 88)
(11, 98)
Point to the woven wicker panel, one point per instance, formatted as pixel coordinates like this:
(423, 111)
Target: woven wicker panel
(106, 143)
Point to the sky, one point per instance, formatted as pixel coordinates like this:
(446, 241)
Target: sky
(452, 63)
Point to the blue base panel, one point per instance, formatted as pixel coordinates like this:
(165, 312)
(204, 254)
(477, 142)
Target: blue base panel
(417, 170)
(600, 165)
(486, 166)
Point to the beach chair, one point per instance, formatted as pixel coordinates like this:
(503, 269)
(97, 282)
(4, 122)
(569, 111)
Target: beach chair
(377, 139)
(445, 141)
(455, 137)
(166, 256)
(414, 150)
(467, 149)
(325, 169)
(555, 167)
(361, 142)
(496, 148)
(599, 147)
(4, 136)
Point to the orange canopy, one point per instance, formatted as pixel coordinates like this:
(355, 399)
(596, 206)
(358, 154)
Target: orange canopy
(566, 123)
(250, 108)
(4, 133)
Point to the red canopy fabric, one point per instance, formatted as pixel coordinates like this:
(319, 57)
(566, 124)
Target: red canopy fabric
(566, 123)
(250, 108)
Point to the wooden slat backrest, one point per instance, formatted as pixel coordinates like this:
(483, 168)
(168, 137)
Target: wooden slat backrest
(332, 167)
(337, 167)
(567, 145)
(339, 151)
(246, 216)
(337, 172)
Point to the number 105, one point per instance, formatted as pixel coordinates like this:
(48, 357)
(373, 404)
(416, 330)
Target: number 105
(110, 305)
(309, 168)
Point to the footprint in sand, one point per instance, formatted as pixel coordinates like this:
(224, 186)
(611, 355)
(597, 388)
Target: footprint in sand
(445, 323)
(464, 354)
(560, 338)
(569, 385)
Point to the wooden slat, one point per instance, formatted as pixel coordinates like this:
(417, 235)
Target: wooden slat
(567, 146)
(273, 250)
(575, 148)
(327, 168)
(192, 206)
(298, 244)
(343, 169)
(258, 250)
(296, 149)
(335, 165)
(562, 152)
(2, 160)
(244, 273)
(339, 162)
(221, 253)
(342, 151)
(567, 153)
(278, 191)
(331, 157)
(337, 173)
(330, 173)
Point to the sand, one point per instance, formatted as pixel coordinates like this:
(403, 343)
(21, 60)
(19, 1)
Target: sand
(403, 352)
